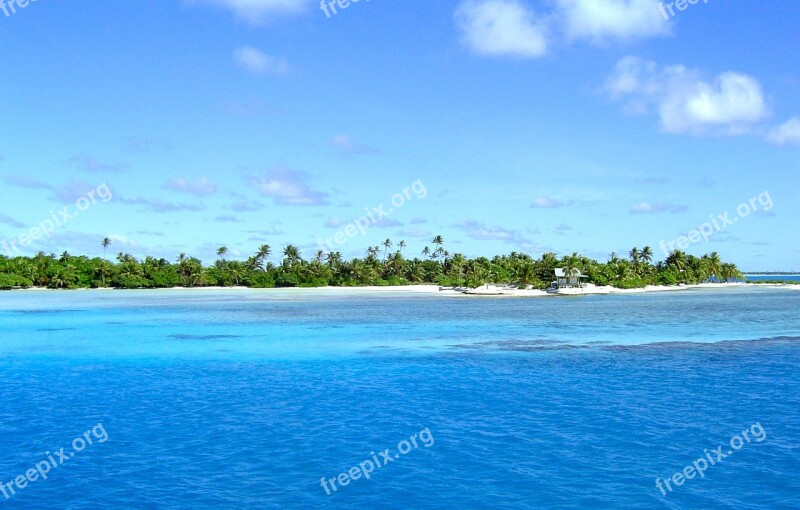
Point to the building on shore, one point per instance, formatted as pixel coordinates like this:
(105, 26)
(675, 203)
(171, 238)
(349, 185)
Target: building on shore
(568, 281)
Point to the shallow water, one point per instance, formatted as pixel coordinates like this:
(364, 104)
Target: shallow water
(245, 399)
(304, 324)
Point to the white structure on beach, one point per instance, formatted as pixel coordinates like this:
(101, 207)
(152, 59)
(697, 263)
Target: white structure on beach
(488, 290)
(567, 281)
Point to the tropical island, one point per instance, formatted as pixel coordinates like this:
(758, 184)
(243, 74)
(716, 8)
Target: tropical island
(381, 266)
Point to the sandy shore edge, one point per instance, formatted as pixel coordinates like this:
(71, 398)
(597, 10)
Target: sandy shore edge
(437, 290)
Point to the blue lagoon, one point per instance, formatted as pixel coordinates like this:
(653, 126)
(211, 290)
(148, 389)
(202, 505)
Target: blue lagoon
(258, 399)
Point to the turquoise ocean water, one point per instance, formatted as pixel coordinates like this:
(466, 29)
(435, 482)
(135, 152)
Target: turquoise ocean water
(246, 399)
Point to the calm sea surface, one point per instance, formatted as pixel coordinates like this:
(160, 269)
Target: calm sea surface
(773, 277)
(246, 399)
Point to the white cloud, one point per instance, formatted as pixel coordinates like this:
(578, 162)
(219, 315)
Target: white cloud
(201, 187)
(257, 62)
(121, 240)
(786, 133)
(347, 146)
(160, 206)
(387, 223)
(481, 232)
(732, 99)
(8, 220)
(657, 208)
(501, 27)
(731, 103)
(288, 187)
(259, 12)
(511, 27)
(414, 232)
(546, 203)
(24, 181)
(242, 203)
(72, 191)
(602, 20)
(93, 165)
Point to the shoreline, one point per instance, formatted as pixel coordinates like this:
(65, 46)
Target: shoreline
(485, 291)
(593, 290)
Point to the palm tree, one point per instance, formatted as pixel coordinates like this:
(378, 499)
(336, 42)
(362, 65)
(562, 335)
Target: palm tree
(396, 262)
(184, 268)
(426, 252)
(571, 264)
(291, 254)
(416, 271)
(334, 259)
(715, 264)
(730, 272)
(104, 268)
(439, 251)
(677, 260)
(457, 262)
(647, 254)
(635, 254)
(545, 266)
(401, 245)
(105, 244)
(65, 277)
(263, 253)
(222, 251)
(386, 245)
(254, 264)
(236, 272)
(527, 273)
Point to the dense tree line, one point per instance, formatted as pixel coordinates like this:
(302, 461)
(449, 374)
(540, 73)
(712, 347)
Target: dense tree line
(381, 265)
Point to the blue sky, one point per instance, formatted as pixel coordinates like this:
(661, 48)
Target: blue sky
(532, 125)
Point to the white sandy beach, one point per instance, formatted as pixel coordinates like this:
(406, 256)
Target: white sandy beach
(590, 289)
(484, 291)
